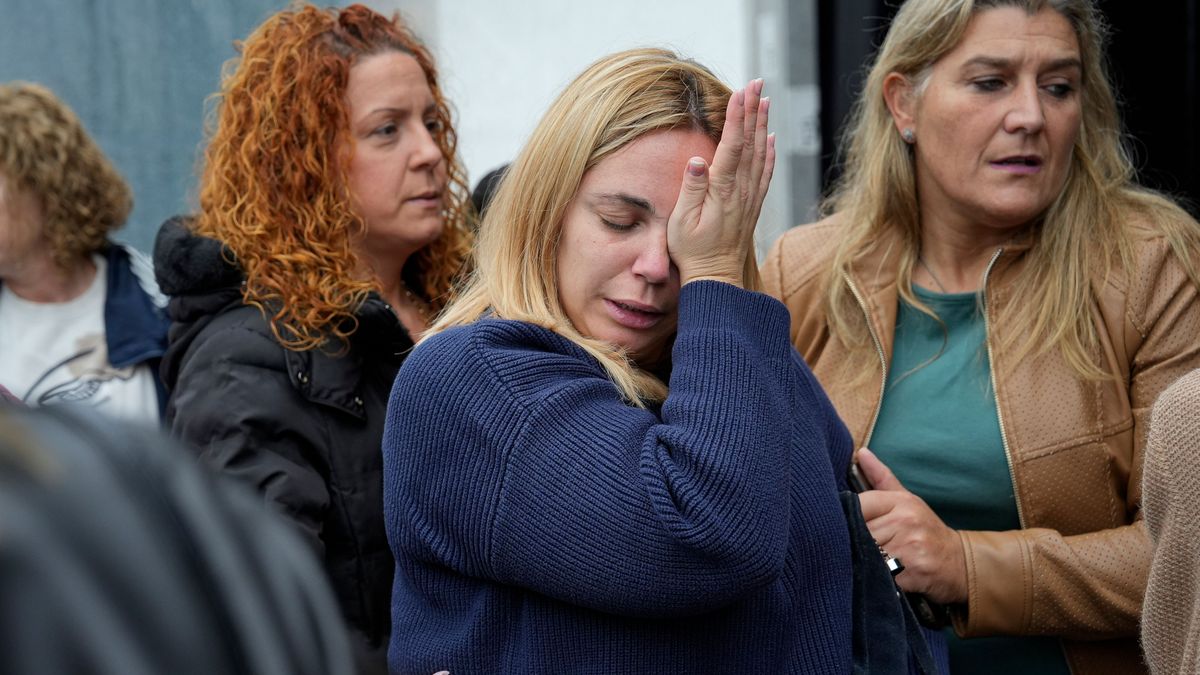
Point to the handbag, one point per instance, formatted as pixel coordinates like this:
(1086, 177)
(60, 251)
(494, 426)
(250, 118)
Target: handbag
(887, 638)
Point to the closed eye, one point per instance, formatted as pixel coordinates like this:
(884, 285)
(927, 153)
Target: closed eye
(618, 227)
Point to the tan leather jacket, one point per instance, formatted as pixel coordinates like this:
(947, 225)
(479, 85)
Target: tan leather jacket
(1078, 567)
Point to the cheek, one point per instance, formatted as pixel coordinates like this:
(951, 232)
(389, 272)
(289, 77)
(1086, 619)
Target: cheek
(372, 178)
(568, 272)
(575, 265)
(1066, 140)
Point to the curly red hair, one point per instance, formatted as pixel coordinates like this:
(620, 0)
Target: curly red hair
(274, 189)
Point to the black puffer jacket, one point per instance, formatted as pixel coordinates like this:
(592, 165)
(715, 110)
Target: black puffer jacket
(303, 428)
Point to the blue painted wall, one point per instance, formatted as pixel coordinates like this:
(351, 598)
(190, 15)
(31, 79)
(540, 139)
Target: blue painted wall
(138, 73)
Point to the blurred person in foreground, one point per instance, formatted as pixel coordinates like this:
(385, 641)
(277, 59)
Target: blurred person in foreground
(81, 318)
(606, 457)
(1171, 485)
(119, 556)
(993, 305)
(329, 232)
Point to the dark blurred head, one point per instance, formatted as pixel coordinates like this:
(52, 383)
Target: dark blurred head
(486, 188)
(120, 554)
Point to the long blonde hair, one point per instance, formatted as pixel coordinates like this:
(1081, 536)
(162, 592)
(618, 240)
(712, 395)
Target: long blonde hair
(1084, 229)
(617, 100)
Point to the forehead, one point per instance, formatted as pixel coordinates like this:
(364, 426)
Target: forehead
(650, 168)
(1014, 34)
(385, 80)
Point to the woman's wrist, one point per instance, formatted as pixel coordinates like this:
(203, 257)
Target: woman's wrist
(723, 278)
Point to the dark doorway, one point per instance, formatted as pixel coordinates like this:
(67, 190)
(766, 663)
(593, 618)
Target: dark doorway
(1154, 57)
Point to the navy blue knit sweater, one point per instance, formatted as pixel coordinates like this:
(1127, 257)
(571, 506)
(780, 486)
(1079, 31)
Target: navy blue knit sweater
(541, 525)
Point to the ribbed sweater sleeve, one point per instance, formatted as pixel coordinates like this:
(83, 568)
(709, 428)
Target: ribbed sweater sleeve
(509, 455)
(1171, 613)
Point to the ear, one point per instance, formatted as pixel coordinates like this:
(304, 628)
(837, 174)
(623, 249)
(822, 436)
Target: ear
(898, 95)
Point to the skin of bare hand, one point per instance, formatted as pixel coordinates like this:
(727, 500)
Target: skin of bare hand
(904, 525)
(711, 230)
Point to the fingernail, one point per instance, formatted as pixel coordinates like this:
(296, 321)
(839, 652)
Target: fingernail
(740, 96)
(771, 140)
(764, 104)
(758, 85)
(696, 166)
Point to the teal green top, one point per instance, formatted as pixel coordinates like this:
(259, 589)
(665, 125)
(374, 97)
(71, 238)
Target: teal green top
(939, 433)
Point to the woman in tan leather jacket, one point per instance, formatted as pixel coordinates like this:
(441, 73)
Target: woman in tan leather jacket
(993, 306)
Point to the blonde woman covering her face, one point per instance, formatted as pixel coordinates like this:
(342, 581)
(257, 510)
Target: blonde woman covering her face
(993, 305)
(606, 457)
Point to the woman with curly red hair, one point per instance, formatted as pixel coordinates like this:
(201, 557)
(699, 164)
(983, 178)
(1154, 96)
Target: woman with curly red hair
(331, 227)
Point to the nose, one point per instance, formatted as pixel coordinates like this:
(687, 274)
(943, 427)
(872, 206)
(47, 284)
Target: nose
(653, 263)
(1026, 114)
(427, 152)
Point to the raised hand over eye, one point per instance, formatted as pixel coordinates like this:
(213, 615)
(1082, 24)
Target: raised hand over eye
(711, 230)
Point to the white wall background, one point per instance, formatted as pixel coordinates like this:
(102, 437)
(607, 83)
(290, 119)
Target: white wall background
(504, 62)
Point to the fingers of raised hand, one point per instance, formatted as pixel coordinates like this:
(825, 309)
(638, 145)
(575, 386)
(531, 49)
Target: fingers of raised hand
(729, 149)
(764, 181)
(686, 213)
(757, 188)
(750, 127)
(761, 146)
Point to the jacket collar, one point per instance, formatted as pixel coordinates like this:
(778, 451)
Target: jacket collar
(875, 274)
(135, 327)
(334, 378)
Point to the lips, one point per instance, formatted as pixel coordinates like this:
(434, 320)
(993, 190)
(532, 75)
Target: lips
(427, 198)
(1019, 164)
(633, 314)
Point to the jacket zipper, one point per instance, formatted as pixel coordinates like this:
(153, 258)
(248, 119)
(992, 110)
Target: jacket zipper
(882, 360)
(987, 338)
(991, 372)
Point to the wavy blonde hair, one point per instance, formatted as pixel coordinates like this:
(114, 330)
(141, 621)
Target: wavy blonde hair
(614, 102)
(45, 150)
(1084, 229)
(273, 187)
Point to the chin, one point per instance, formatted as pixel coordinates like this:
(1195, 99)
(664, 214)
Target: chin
(647, 353)
(418, 233)
(1011, 216)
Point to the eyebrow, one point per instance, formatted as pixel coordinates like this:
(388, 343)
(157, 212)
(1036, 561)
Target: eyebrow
(627, 199)
(402, 112)
(1002, 63)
